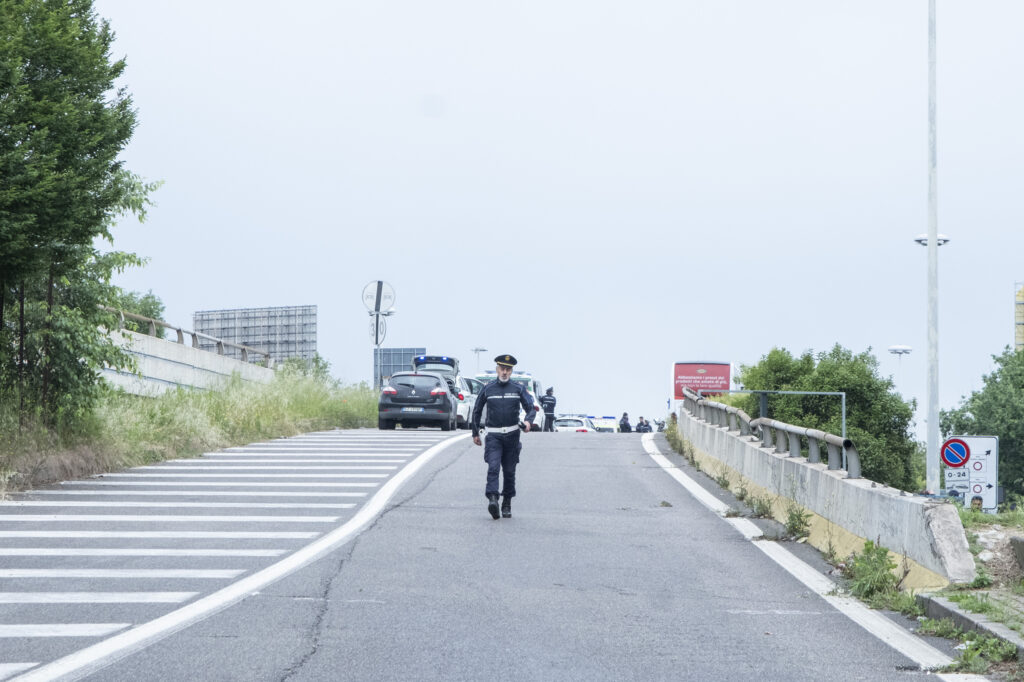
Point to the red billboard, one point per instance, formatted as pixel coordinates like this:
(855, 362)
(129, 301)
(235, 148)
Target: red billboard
(701, 376)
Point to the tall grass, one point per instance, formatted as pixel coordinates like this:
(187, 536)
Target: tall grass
(126, 430)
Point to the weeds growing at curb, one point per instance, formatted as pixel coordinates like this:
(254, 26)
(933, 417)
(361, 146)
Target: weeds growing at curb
(896, 600)
(939, 627)
(797, 520)
(742, 493)
(722, 477)
(760, 506)
(870, 572)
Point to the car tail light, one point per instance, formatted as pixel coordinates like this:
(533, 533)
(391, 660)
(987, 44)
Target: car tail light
(439, 391)
(581, 430)
(462, 397)
(389, 390)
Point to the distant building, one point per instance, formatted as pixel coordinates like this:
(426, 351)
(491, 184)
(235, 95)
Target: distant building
(1018, 337)
(284, 332)
(393, 360)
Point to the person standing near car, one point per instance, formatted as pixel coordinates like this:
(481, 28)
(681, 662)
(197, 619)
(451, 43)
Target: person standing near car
(624, 426)
(501, 452)
(548, 402)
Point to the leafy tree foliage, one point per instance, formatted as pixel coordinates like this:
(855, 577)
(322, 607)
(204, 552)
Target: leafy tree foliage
(147, 305)
(996, 410)
(62, 126)
(878, 419)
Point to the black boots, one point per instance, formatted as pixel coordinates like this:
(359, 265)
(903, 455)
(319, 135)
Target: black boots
(492, 504)
(506, 508)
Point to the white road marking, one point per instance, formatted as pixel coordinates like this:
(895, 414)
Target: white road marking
(261, 467)
(131, 551)
(61, 629)
(168, 518)
(8, 669)
(206, 574)
(309, 453)
(195, 493)
(178, 535)
(311, 484)
(95, 597)
(91, 658)
(326, 460)
(906, 643)
(238, 475)
(175, 505)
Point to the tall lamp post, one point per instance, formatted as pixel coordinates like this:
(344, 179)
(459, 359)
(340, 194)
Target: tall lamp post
(899, 351)
(933, 241)
(478, 351)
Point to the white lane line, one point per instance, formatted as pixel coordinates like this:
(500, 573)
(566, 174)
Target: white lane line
(168, 518)
(131, 551)
(8, 669)
(906, 643)
(95, 597)
(196, 493)
(260, 467)
(239, 475)
(91, 658)
(705, 498)
(318, 453)
(222, 484)
(178, 535)
(205, 574)
(61, 629)
(176, 505)
(326, 460)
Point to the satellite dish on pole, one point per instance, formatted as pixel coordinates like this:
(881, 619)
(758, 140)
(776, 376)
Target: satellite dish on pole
(378, 296)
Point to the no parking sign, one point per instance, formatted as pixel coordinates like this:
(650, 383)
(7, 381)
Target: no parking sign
(973, 469)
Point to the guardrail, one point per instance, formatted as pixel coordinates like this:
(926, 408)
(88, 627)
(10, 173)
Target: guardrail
(195, 336)
(780, 435)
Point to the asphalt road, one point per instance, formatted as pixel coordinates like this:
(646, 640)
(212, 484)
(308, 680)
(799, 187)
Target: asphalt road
(608, 570)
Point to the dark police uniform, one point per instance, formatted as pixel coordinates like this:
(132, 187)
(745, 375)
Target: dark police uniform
(547, 401)
(502, 446)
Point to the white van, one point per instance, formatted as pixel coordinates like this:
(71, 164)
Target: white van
(533, 387)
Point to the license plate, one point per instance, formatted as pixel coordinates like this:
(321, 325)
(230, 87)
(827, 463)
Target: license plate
(412, 409)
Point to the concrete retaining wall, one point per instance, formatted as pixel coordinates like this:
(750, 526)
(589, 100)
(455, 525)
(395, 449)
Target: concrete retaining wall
(927, 532)
(165, 365)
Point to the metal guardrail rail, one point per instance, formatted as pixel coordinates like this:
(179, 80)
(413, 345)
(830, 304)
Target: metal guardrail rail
(195, 336)
(780, 435)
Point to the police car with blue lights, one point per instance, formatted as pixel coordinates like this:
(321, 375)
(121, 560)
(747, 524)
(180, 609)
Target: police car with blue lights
(465, 389)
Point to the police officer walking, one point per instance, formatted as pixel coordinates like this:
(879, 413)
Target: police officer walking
(501, 452)
(548, 401)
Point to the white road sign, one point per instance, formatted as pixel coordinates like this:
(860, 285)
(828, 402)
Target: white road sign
(979, 478)
(378, 296)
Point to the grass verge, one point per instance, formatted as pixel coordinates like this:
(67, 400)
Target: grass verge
(126, 430)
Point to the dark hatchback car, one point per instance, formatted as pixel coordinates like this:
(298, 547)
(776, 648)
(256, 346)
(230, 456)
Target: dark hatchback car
(417, 399)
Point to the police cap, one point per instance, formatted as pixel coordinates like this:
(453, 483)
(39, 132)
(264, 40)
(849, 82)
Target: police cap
(505, 360)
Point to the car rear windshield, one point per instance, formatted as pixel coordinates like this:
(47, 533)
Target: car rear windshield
(413, 381)
(435, 367)
(568, 422)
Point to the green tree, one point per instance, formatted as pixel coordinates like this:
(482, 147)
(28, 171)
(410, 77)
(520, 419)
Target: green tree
(63, 125)
(147, 304)
(878, 419)
(996, 410)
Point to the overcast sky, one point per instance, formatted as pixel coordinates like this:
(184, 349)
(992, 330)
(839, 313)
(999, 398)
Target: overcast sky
(599, 188)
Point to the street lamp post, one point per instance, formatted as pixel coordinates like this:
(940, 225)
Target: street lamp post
(899, 351)
(478, 351)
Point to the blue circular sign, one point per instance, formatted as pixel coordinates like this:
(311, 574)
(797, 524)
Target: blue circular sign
(955, 452)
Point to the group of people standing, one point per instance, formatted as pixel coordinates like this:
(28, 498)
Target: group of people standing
(642, 425)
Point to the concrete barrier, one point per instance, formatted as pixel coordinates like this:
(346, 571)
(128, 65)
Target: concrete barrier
(165, 365)
(845, 511)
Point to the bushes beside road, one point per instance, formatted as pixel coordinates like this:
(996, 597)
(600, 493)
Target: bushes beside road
(125, 430)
